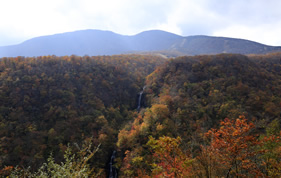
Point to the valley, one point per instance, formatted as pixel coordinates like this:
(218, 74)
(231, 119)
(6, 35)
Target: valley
(50, 104)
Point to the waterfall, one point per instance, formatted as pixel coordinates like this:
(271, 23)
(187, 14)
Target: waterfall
(139, 101)
(140, 97)
(112, 169)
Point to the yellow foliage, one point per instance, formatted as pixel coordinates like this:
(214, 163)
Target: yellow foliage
(160, 111)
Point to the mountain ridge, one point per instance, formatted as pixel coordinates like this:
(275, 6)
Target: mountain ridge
(100, 42)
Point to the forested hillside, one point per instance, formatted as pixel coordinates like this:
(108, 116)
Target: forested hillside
(191, 95)
(206, 116)
(48, 102)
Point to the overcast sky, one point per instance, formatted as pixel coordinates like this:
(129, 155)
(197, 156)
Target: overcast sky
(257, 20)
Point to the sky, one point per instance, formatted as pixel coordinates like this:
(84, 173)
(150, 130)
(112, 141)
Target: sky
(256, 20)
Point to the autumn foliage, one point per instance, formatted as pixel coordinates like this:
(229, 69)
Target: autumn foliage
(234, 148)
(49, 101)
(204, 116)
(168, 158)
(231, 150)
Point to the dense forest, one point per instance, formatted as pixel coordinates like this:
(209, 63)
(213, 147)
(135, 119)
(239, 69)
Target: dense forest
(48, 102)
(184, 129)
(204, 116)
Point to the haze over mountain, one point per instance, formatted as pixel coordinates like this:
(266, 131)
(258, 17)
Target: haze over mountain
(98, 42)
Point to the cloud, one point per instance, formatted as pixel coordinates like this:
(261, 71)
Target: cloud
(252, 19)
(256, 20)
(23, 19)
(30, 18)
(263, 34)
(125, 16)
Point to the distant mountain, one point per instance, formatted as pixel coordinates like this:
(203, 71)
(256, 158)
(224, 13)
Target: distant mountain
(97, 42)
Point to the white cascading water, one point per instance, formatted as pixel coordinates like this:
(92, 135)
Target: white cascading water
(140, 97)
(112, 169)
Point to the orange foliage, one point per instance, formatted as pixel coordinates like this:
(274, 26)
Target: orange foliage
(233, 147)
(6, 171)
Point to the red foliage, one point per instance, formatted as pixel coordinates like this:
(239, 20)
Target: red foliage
(233, 147)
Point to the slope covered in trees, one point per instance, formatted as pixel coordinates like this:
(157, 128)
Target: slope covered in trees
(207, 116)
(215, 84)
(48, 102)
(189, 96)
